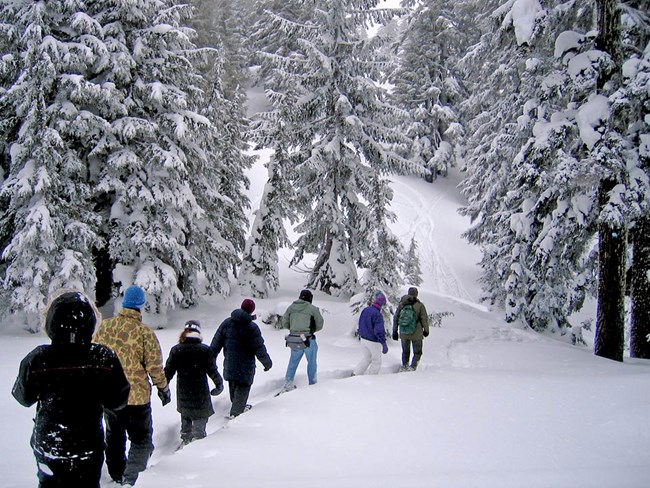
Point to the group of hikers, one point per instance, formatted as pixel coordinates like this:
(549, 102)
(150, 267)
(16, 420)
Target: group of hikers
(96, 370)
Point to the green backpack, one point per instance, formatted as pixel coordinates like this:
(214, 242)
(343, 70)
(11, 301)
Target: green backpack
(407, 319)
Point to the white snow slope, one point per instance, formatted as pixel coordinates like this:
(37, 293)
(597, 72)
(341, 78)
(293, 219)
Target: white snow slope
(492, 405)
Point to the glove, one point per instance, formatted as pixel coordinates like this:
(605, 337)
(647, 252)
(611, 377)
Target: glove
(425, 333)
(395, 336)
(266, 368)
(384, 349)
(165, 395)
(216, 390)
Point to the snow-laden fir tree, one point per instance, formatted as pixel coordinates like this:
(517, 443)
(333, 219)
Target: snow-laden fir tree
(551, 205)
(216, 238)
(412, 271)
(229, 152)
(275, 130)
(275, 38)
(537, 230)
(384, 266)
(221, 24)
(147, 181)
(49, 121)
(576, 177)
(493, 70)
(426, 86)
(342, 115)
(259, 272)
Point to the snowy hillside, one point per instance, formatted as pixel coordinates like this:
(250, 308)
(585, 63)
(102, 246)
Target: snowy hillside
(491, 405)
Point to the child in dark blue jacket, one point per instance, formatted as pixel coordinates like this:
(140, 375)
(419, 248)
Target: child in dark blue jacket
(193, 362)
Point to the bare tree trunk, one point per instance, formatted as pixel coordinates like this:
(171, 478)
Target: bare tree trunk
(610, 321)
(104, 273)
(640, 322)
(609, 31)
(318, 281)
(612, 240)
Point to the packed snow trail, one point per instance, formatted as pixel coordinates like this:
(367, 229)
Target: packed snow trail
(424, 211)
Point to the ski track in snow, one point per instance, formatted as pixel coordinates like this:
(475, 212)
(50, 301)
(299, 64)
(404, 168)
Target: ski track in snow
(442, 278)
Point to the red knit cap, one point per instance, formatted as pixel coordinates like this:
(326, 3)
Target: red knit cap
(248, 305)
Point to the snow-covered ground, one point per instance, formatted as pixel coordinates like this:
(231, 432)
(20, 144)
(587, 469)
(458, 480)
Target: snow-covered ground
(492, 405)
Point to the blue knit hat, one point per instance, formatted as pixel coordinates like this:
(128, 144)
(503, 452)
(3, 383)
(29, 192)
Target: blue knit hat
(133, 298)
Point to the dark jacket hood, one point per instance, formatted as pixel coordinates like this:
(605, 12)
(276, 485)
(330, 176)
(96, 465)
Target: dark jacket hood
(70, 319)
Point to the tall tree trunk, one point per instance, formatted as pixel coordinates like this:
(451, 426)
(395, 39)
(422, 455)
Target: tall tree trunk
(640, 321)
(610, 321)
(104, 271)
(609, 30)
(612, 261)
(316, 279)
(612, 243)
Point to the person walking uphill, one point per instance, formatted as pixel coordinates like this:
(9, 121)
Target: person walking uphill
(241, 341)
(372, 335)
(412, 321)
(72, 381)
(303, 321)
(194, 363)
(139, 351)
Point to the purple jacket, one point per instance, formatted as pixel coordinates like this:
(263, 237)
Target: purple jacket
(371, 324)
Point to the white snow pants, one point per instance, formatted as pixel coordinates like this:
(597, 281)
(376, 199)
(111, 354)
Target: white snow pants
(371, 361)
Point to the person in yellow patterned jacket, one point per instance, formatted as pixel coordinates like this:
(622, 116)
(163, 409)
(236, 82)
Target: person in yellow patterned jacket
(139, 351)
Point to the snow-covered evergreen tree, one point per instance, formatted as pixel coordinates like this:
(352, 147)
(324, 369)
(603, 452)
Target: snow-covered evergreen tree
(412, 271)
(219, 25)
(271, 37)
(493, 70)
(345, 122)
(384, 265)
(218, 236)
(160, 163)
(259, 272)
(274, 130)
(537, 219)
(222, 24)
(426, 86)
(48, 227)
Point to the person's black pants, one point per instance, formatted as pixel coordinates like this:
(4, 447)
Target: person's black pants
(406, 352)
(77, 471)
(238, 396)
(134, 421)
(193, 428)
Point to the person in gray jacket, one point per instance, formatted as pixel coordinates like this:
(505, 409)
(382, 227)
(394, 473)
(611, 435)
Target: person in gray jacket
(420, 331)
(303, 320)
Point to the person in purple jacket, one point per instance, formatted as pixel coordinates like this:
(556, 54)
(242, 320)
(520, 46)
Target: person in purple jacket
(372, 335)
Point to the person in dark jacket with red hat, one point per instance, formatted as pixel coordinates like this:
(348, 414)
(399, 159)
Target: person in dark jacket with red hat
(241, 341)
(71, 380)
(194, 362)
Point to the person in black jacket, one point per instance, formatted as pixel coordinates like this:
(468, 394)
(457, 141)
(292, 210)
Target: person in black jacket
(241, 340)
(71, 380)
(194, 362)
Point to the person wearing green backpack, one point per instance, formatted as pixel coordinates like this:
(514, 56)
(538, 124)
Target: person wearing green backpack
(411, 325)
